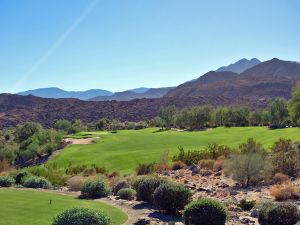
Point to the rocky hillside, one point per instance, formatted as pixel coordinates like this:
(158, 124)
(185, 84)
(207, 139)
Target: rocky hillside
(240, 66)
(16, 109)
(270, 79)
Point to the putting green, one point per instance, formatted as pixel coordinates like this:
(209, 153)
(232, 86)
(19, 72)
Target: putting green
(26, 207)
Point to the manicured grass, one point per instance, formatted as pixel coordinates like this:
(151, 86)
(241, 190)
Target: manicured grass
(19, 207)
(122, 151)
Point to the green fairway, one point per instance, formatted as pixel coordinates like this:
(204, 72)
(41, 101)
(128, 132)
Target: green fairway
(122, 151)
(19, 207)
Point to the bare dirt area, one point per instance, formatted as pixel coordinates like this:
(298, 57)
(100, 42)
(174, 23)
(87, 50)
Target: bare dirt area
(85, 141)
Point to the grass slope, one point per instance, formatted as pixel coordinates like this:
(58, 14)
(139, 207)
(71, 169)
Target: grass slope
(19, 207)
(122, 151)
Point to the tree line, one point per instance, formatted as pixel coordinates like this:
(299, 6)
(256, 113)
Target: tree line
(279, 113)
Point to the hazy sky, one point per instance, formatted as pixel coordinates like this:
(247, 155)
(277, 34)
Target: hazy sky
(122, 44)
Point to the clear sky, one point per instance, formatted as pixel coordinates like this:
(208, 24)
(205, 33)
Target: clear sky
(119, 44)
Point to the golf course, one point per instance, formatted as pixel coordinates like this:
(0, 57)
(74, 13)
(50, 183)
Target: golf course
(123, 150)
(34, 208)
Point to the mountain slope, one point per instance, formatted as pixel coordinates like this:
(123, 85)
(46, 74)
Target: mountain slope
(270, 79)
(240, 66)
(130, 95)
(59, 93)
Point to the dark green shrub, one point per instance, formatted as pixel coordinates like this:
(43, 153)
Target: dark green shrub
(205, 212)
(145, 168)
(36, 182)
(278, 214)
(81, 216)
(127, 194)
(146, 187)
(120, 185)
(246, 205)
(6, 181)
(96, 188)
(172, 197)
(20, 176)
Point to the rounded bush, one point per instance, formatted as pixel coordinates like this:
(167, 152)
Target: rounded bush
(36, 182)
(172, 197)
(81, 216)
(20, 176)
(6, 181)
(146, 187)
(94, 189)
(120, 185)
(278, 214)
(127, 194)
(205, 212)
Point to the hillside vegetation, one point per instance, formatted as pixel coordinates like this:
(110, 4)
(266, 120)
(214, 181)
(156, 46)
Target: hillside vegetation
(122, 151)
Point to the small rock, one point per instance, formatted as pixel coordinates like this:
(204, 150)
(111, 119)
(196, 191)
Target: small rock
(143, 221)
(254, 213)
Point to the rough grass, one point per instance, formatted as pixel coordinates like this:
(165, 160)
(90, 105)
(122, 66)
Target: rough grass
(19, 207)
(123, 150)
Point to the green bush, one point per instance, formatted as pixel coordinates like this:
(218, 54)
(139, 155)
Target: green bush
(6, 181)
(126, 193)
(81, 216)
(278, 214)
(246, 205)
(96, 188)
(120, 185)
(205, 212)
(36, 182)
(146, 186)
(172, 197)
(19, 176)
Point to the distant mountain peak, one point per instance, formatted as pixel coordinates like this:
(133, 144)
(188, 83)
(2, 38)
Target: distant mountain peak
(240, 66)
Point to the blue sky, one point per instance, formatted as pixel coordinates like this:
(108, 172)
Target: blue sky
(118, 45)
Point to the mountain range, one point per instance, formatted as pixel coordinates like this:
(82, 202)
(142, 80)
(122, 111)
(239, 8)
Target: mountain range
(254, 87)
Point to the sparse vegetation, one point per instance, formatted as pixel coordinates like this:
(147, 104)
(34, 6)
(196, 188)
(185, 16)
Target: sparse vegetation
(6, 181)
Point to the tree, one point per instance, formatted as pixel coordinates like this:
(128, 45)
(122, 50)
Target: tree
(166, 114)
(27, 130)
(78, 126)
(255, 118)
(278, 112)
(294, 105)
(63, 125)
(198, 117)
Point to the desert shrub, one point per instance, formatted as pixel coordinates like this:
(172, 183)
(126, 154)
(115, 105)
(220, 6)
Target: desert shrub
(178, 165)
(218, 165)
(113, 174)
(89, 172)
(278, 214)
(205, 211)
(75, 183)
(126, 193)
(81, 216)
(95, 188)
(145, 168)
(250, 166)
(6, 181)
(280, 178)
(214, 151)
(120, 185)
(188, 157)
(172, 197)
(36, 182)
(285, 157)
(246, 205)
(74, 170)
(206, 164)
(146, 186)
(286, 191)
